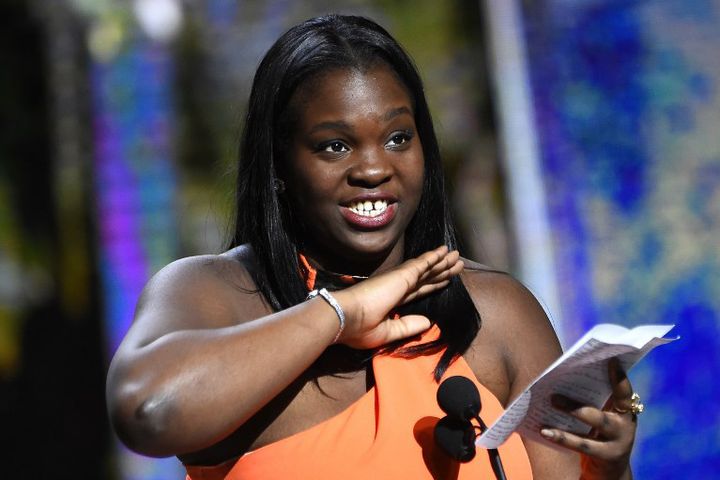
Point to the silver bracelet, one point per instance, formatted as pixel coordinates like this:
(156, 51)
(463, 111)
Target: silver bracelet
(334, 304)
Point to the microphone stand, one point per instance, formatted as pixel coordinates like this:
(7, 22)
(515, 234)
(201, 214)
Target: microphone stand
(493, 453)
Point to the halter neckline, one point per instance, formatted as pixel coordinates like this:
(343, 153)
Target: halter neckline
(318, 278)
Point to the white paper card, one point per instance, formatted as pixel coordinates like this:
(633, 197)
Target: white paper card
(581, 373)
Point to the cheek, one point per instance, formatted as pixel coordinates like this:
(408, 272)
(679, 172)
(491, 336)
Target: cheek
(421, 175)
(318, 185)
(416, 168)
(415, 173)
(310, 187)
(416, 184)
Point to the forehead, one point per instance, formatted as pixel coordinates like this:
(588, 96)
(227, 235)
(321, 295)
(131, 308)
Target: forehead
(350, 93)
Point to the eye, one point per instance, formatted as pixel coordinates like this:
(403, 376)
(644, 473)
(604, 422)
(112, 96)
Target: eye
(334, 146)
(399, 139)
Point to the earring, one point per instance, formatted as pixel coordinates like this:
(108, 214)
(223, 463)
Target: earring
(278, 185)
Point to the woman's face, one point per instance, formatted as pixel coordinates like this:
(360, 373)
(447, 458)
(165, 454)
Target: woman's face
(355, 169)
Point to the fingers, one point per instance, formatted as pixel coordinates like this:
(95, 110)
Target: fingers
(571, 441)
(613, 433)
(390, 330)
(588, 446)
(423, 265)
(370, 301)
(441, 267)
(612, 436)
(607, 449)
(450, 266)
(607, 425)
(405, 326)
(424, 290)
(621, 399)
(444, 262)
(438, 265)
(433, 267)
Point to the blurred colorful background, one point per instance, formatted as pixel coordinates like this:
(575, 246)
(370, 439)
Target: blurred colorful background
(581, 139)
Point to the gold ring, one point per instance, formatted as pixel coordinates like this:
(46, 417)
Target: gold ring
(636, 407)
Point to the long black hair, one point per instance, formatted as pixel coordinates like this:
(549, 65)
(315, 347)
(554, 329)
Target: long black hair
(305, 51)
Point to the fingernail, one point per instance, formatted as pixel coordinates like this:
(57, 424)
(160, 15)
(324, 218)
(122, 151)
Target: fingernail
(547, 433)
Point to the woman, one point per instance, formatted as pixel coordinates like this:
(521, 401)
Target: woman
(340, 186)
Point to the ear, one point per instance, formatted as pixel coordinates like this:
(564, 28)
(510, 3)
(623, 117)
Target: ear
(278, 185)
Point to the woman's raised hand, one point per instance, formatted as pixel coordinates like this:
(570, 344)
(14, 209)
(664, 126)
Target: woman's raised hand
(606, 451)
(368, 304)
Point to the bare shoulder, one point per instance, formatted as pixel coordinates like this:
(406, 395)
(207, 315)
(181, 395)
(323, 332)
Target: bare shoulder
(513, 323)
(204, 291)
(501, 298)
(191, 277)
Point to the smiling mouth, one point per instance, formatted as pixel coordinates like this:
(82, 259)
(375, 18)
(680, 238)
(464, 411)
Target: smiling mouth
(370, 214)
(369, 208)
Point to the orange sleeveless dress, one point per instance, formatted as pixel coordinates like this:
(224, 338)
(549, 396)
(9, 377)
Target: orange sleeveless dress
(386, 434)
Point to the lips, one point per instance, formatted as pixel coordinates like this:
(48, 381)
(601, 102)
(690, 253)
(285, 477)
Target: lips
(369, 212)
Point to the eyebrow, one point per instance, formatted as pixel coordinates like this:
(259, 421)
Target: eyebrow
(396, 112)
(337, 125)
(342, 125)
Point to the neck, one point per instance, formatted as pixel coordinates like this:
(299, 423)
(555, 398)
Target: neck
(358, 264)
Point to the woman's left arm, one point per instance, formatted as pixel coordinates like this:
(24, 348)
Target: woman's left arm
(530, 344)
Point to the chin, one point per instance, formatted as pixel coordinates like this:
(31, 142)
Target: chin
(370, 248)
(364, 252)
(375, 241)
(369, 252)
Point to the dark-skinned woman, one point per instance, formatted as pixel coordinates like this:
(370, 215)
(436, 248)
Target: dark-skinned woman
(313, 347)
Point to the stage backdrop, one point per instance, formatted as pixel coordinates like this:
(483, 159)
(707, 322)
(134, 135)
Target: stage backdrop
(626, 107)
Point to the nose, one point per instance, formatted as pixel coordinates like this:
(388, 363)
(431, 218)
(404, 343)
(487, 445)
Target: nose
(372, 168)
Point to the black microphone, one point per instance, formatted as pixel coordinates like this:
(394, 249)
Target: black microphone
(460, 399)
(456, 437)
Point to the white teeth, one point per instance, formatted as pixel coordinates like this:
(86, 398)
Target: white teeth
(368, 208)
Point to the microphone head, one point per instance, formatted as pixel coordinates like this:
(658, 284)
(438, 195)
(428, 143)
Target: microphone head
(459, 398)
(456, 438)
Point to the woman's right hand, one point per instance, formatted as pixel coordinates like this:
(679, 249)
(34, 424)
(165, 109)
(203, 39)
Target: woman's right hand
(368, 304)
